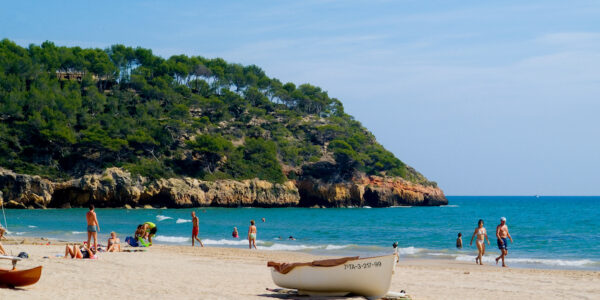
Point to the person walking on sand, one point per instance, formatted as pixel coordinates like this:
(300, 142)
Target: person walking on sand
(92, 226)
(252, 235)
(501, 235)
(481, 234)
(195, 229)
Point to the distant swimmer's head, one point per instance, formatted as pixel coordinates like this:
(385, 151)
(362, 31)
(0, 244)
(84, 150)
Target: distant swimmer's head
(395, 245)
(503, 219)
(480, 222)
(251, 222)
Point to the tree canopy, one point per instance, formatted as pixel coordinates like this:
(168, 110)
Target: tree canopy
(68, 111)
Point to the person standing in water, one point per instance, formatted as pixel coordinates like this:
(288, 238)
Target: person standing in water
(501, 235)
(235, 234)
(195, 229)
(481, 234)
(459, 241)
(92, 226)
(252, 235)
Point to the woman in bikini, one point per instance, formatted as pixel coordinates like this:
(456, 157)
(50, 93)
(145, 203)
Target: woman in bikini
(79, 252)
(114, 243)
(252, 235)
(481, 234)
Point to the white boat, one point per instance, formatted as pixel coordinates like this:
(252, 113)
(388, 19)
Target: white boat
(369, 277)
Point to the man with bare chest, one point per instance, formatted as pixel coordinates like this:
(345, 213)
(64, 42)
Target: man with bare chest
(92, 227)
(502, 235)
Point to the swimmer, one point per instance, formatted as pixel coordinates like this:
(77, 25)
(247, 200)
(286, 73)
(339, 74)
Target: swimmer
(459, 241)
(481, 234)
(235, 234)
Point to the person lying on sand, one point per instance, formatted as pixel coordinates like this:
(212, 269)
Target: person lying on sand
(114, 243)
(79, 252)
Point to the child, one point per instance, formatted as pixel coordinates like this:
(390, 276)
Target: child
(235, 234)
(459, 241)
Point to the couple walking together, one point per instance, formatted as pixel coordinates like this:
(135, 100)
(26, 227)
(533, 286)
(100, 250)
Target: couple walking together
(502, 237)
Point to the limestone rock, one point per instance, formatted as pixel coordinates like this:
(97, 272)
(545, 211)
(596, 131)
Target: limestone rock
(116, 187)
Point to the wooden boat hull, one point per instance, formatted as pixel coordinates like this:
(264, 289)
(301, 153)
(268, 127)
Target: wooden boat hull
(369, 277)
(16, 278)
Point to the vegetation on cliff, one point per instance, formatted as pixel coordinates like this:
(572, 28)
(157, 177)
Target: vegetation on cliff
(68, 111)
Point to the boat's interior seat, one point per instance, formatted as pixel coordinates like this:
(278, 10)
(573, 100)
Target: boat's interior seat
(285, 268)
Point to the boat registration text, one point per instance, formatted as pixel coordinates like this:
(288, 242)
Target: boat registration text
(359, 266)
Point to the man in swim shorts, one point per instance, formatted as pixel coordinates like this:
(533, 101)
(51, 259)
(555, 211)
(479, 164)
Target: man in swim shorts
(92, 226)
(501, 235)
(195, 229)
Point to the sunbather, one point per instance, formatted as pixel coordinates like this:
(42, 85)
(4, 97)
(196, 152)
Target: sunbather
(79, 252)
(114, 243)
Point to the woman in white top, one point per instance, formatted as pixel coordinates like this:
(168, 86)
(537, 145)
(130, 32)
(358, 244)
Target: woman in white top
(481, 234)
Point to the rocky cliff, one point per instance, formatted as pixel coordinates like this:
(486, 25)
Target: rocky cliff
(118, 188)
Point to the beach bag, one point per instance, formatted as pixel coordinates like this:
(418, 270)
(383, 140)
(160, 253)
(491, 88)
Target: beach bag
(131, 242)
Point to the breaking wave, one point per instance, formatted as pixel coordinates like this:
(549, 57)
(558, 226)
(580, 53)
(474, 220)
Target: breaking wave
(172, 239)
(162, 218)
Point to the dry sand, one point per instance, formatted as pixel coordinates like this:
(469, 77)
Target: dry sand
(177, 272)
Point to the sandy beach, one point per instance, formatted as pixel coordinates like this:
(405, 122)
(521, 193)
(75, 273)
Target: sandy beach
(179, 272)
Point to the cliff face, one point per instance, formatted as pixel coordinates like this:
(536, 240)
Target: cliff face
(371, 191)
(117, 188)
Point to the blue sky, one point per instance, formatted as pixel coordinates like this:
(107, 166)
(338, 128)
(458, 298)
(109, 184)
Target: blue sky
(484, 97)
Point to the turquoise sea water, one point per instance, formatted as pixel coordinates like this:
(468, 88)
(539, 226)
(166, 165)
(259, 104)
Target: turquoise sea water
(548, 232)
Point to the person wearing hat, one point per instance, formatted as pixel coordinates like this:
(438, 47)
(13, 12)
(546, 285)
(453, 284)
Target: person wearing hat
(501, 235)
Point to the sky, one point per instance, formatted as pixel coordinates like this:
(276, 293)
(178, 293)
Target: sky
(483, 97)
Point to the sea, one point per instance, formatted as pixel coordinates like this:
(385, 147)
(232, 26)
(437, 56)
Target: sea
(548, 232)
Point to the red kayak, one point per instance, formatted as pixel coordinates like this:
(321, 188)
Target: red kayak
(15, 278)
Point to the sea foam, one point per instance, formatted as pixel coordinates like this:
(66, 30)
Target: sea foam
(180, 221)
(535, 261)
(162, 218)
(172, 239)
